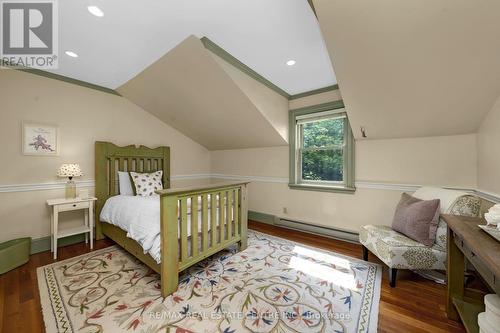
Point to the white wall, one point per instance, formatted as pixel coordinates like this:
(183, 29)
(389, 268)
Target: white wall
(439, 161)
(488, 141)
(83, 116)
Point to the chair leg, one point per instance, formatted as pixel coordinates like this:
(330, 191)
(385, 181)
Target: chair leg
(393, 272)
(365, 253)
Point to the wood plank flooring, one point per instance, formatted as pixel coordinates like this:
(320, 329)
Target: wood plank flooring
(415, 305)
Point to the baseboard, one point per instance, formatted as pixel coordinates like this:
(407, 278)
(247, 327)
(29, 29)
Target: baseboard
(43, 244)
(335, 233)
(261, 217)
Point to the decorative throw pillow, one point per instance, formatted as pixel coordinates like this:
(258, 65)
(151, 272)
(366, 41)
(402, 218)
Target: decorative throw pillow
(147, 183)
(417, 219)
(125, 183)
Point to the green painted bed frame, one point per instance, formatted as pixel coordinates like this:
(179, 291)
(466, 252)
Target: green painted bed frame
(220, 227)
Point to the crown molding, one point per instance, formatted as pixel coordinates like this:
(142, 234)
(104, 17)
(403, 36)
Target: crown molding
(314, 92)
(311, 4)
(229, 58)
(58, 77)
(209, 45)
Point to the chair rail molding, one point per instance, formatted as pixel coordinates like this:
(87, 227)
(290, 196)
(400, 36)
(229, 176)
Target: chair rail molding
(387, 186)
(82, 183)
(42, 186)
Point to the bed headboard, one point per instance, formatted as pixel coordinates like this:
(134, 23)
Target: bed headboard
(109, 159)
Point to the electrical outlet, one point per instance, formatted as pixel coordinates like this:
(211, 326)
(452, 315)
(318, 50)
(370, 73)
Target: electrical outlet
(285, 210)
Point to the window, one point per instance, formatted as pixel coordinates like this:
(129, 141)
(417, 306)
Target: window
(321, 149)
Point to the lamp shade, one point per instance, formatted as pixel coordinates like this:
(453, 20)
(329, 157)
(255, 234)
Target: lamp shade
(70, 170)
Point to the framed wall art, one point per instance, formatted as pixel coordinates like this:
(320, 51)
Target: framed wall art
(40, 139)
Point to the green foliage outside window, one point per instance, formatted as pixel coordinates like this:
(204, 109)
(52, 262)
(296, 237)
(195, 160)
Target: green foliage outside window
(322, 152)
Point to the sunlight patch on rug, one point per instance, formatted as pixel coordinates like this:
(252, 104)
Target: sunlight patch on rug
(274, 285)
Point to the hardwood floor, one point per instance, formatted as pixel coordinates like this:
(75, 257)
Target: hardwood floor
(415, 305)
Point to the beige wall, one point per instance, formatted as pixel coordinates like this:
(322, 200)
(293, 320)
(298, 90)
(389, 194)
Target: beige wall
(488, 140)
(83, 116)
(439, 161)
(413, 68)
(272, 105)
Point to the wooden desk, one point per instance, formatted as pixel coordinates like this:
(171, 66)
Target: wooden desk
(466, 241)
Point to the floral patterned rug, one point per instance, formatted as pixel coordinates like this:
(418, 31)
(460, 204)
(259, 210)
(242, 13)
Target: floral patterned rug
(273, 286)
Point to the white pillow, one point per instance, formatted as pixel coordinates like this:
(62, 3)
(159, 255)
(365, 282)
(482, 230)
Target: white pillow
(147, 183)
(125, 183)
(447, 197)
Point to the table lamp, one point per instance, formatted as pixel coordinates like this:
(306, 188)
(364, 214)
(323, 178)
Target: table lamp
(70, 171)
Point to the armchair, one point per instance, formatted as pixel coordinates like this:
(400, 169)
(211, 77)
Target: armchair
(400, 252)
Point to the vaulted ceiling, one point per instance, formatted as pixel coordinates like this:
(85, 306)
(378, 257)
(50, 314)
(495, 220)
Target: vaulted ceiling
(405, 68)
(209, 100)
(132, 35)
(414, 68)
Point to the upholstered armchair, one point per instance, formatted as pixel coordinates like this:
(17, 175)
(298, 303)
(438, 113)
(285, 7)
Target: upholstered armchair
(400, 252)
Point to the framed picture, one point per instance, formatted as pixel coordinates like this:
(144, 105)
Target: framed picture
(40, 139)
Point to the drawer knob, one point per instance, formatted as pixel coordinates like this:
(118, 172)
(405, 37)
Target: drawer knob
(74, 205)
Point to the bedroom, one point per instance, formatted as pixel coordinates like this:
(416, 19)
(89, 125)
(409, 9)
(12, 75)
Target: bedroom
(307, 160)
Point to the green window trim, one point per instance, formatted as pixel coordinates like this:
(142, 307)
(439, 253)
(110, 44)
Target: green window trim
(347, 186)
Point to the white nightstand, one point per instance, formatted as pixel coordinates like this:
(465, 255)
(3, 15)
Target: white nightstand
(66, 205)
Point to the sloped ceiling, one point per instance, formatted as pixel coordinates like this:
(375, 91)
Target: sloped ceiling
(414, 68)
(189, 90)
(272, 105)
(132, 35)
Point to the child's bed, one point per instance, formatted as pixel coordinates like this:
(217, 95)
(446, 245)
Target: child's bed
(215, 214)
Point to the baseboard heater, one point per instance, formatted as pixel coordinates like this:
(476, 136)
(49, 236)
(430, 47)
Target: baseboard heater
(344, 235)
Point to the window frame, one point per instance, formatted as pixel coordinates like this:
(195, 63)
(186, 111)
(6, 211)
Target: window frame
(315, 113)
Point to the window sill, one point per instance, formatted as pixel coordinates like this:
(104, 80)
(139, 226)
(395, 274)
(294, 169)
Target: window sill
(323, 188)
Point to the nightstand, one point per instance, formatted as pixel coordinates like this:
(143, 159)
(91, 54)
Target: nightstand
(66, 205)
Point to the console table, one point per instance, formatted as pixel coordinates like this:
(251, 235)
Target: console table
(467, 242)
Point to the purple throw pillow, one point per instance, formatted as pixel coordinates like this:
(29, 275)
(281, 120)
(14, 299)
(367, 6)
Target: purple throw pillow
(417, 219)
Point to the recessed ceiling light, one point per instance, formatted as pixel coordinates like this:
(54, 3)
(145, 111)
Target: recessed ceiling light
(71, 54)
(96, 11)
(291, 62)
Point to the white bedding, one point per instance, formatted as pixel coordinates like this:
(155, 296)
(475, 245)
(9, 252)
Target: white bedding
(140, 218)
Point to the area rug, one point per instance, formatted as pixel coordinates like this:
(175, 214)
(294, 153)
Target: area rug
(275, 285)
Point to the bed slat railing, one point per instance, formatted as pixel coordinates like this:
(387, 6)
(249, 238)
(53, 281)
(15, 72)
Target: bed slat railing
(222, 211)
(204, 222)
(183, 239)
(222, 217)
(194, 226)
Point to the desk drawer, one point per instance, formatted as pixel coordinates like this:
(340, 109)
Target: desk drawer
(74, 206)
(480, 267)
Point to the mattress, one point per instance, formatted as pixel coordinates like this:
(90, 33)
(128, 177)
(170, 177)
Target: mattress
(140, 218)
